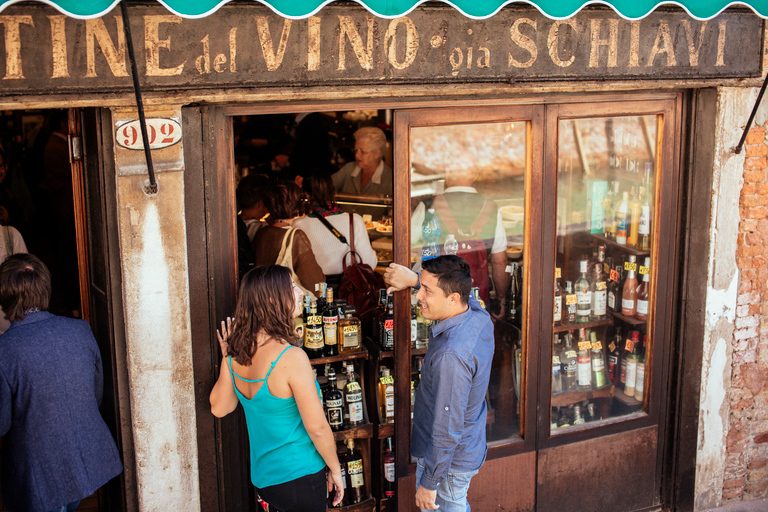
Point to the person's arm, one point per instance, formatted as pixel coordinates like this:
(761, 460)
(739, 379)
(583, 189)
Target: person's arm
(304, 263)
(452, 382)
(500, 280)
(304, 388)
(397, 277)
(5, 406)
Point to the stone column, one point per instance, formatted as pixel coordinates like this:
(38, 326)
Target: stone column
(153, 257)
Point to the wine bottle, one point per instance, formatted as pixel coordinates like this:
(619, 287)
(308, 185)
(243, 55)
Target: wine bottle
(354, 398)
(599, 287)
(629, 293)
(354, 460)
(584, 362)
(599, 378)
(388, 461)
(330, 324)
(583, 294)
(386, 395)
(569, 365)
(315, 342)
(642, 291)
(333, 403)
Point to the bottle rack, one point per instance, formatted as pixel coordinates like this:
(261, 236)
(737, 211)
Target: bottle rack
(362, 434)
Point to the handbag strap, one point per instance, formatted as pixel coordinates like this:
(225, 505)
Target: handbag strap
(357, 258)
(330, 227)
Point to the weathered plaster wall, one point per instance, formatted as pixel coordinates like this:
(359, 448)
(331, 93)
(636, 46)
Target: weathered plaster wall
(153, 253)
(732, 348)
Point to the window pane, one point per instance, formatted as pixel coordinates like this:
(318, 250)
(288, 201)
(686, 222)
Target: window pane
(467, 198)
(602, 289)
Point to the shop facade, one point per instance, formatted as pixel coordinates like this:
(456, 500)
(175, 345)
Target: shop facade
(551, 115)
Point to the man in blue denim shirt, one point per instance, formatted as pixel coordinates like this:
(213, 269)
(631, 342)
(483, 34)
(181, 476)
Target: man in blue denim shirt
(448, 436)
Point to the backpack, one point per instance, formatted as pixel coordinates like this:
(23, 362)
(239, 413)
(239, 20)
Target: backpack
(360, 284)
(471, 247)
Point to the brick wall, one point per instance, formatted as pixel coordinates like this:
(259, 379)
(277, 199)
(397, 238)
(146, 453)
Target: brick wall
(746, 474)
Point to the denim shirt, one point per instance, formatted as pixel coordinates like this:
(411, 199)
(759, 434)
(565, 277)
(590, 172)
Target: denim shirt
(449, 415)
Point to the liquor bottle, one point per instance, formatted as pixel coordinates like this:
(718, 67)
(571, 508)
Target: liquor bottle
(568, 362)
(564, 420)
(623, 220)
(334, 408)
(304, 316)
(341, 453)
(614, 291)
(609, 224)
(354, 460)
(320, 294)
(644, 224)
(614, 358)
(330, 324)
(584, 362)
(349, 333)
(354, 398)
(634, 212)
(422, 329)
(476, 294)
(387, 338)
(315, 342)
(557, 383)
(558, 316)
(599, 287)
(599, 379)
(642, 292)
(583, 294)
(578, 419)
(380, 310)
(629, 292)
(570, 304)
(413, 396)
(386, 395)
(389, 469)
(414, 322)
(640, 380)
(430, 232)
(633, 357)
(451, 246)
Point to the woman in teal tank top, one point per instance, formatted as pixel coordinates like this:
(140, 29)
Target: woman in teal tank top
(291, 443)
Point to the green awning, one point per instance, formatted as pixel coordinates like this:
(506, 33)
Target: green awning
(556, 9)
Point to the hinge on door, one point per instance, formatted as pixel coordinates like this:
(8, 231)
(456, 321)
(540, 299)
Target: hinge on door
(75, 148)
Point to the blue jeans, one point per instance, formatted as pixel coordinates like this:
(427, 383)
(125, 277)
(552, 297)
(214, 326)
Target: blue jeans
(452, 493)
(70, 507)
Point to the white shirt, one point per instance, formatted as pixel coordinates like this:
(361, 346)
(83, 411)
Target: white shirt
(417, 218)
(328, 250)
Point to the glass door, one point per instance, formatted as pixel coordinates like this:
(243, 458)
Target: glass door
(472, 179)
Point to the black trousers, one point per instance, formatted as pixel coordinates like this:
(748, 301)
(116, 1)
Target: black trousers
(304, 494)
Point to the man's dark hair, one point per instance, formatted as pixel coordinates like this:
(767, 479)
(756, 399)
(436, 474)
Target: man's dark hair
(25, 284)
(452, 273)
(250, 190)
(283, 200)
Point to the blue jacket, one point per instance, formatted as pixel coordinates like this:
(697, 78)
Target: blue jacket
(56, 447)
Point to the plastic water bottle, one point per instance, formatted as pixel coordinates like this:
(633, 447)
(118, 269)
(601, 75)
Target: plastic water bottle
(451, 246)
(430, 232)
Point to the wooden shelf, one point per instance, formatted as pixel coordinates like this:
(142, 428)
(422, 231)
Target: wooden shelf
(625, 248)
(386, 430)
(574, 397)
(584, 325)
(361, 432)
(363, 354)
(363, 506)
(631, 321)
(629, 401)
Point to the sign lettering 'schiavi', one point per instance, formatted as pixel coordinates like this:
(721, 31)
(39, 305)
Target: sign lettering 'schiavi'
(251, 46)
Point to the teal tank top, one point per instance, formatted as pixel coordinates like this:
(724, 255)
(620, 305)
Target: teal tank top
(281, 449)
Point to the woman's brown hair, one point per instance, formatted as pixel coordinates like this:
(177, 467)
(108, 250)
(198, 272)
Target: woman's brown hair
(321, 190)
(265, 304)
(283, 200)
(25, 285)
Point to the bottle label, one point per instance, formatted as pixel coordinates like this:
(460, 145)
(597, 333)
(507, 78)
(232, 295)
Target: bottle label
(335, 413)
(387, 380)
(629, 346)
(601, 301)
(571, 354)
(558, 308)
(644, 226)
(630, 266)
(621, 228)
(414, 329)
(571, 299)
(584, 371)
(612, 300)
(556, 362)
(355, 471)
(314, 339)
(351, 336)
(640, 382)
(314, 320)
(597, 345)
(389, 471)
(585, 345)
(329, 328)
(642, 307)
(584, 299)
(598, 364)
(612, 360)
(631, 376)
(627, 304)
(569, 369)
(355, 407)
(389, 404)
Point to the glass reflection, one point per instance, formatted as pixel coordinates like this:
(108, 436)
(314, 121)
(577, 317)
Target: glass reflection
(602, 290)
(467, 198)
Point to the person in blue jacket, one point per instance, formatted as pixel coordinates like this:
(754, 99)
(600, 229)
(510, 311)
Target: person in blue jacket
(56, 448)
